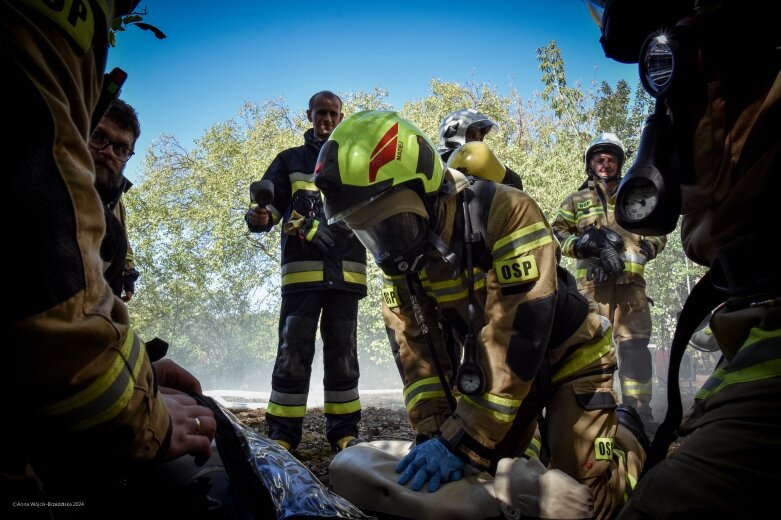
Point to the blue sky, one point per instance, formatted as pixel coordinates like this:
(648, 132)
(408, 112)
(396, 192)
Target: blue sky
(217, 55)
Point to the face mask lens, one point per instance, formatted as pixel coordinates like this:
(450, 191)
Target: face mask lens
(396, 242)
(657, 62)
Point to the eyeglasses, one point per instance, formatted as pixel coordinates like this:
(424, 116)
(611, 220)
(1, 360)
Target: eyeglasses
(99, 140)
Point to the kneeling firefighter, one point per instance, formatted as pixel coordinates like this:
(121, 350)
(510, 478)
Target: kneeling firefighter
(479, 259)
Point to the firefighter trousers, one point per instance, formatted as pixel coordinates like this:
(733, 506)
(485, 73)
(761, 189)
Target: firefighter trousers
(337, 313)
(627, 308)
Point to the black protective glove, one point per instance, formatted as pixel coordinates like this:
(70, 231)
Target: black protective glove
(611, 260)
(647, 249)
(589, 243)
(610, 252)
(129, 277)
(595, 271)
(317, 233)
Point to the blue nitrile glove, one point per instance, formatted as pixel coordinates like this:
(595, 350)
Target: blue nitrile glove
(431, 461)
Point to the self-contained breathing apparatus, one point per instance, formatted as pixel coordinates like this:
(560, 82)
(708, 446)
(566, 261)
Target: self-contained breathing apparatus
(470, 377)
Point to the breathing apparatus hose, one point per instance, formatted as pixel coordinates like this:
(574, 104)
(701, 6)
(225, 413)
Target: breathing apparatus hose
(413, 284)
(470, 345)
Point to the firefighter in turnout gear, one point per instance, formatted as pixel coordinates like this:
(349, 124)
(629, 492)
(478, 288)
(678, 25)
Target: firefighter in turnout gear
(480, 259)
(80, 377)
(710, 152)
(323, 278)
(610, 265)
(469, 126)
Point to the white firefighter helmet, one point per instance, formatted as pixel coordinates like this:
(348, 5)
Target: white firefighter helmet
(452, 131)
(606, 142)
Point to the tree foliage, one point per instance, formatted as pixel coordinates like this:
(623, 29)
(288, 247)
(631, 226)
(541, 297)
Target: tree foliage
(135, 19)
(212, 288)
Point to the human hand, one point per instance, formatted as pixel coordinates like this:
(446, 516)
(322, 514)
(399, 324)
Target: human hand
(192, 426)
(127, 296)
(431, 461)
(171, 375)
(611, 260)
(257, 216)
(595, 270)
(318, 234)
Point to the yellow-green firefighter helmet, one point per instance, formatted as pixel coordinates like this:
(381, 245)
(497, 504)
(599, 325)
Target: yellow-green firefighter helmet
(369, 153)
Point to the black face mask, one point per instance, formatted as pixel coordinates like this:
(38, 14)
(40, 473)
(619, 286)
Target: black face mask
(397, 243)
(649, 196)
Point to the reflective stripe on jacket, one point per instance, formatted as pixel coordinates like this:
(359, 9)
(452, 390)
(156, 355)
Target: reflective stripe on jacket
(304, 266)
(516, 322)
(582, 210)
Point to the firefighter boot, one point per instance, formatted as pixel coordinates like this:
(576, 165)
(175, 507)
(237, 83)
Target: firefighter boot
(630, 419)
(641, 404)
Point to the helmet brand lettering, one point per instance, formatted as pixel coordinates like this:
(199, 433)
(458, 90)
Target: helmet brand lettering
(384, 152)
(398, 150)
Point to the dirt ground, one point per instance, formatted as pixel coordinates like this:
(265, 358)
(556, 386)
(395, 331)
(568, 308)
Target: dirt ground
(383, 417)
(315, 452)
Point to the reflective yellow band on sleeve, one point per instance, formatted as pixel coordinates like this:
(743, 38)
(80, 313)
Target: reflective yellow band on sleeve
(312, 230)
(500, 408)
(568, 216)
(426, 388)
(584, 355)
(522, 241)
(603, 448)
(568, 245)
(107, 395)
(517, 270)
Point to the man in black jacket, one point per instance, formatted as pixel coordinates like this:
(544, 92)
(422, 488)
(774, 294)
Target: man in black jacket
(111, 146)
(323, 277)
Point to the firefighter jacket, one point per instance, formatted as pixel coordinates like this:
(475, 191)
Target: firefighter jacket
(304, 266)
(74, 366)
(530, 318)
(594, 207)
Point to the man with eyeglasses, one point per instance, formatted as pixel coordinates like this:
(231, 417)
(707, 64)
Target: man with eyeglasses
(111, 146)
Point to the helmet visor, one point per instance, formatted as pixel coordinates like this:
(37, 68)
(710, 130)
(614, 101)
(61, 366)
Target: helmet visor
(394, 229)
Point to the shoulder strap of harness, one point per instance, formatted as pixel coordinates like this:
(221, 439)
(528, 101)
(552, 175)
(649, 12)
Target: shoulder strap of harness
(479, 197)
